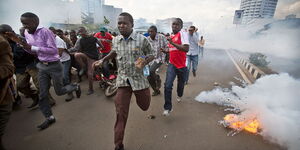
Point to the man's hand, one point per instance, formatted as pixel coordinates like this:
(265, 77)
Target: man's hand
(97, 64)
(164, 50)
(169, 39)
(26, 46)
(140, 63)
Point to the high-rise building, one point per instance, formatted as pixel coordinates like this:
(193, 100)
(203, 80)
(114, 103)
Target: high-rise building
(111, 13)
(94, 12)
(257, 9)
(165, 25)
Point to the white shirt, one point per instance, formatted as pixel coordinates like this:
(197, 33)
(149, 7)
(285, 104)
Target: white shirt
(193, 47)
(61, 44)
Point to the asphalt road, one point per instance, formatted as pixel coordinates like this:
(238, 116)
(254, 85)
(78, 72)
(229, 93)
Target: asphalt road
(87, 123)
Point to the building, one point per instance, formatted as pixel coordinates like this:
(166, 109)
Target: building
(291, 16)
(111, 14)
(257, 9)
(94, 12)
(165, 25)
(186, 25)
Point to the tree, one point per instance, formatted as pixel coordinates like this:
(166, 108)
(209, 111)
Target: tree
(258, 59)
(106, 21)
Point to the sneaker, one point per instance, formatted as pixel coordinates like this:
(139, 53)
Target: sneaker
(166, 112)
(178, 99)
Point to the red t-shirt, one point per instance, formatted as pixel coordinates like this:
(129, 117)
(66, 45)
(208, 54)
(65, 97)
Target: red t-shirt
(107, 45)
(177, 57)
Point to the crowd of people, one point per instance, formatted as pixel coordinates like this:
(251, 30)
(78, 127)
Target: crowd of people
(46, 55)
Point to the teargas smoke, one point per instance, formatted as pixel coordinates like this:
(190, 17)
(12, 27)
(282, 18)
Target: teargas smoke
(54, 11)
(272, 100)
(278, 40)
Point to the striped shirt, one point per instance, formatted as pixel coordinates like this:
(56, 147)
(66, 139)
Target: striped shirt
(159, 42)
(128, 51)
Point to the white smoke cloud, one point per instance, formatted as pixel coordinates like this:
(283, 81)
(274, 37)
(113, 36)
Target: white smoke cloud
(280, 41)
(286, 7)
(57, 11)
(274, 99)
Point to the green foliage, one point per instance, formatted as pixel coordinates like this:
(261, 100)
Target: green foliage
(106, 21)
(258, 59)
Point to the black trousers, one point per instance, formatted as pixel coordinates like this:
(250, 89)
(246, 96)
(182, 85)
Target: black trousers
(153, 78)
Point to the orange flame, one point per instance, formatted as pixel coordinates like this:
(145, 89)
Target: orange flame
(235, 122)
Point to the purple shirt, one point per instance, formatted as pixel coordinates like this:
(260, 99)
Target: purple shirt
(43, 41)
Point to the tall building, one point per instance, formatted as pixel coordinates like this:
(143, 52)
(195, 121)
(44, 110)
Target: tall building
(111, 14)
(91, 11)
(257, 9)
(94, 12)
(165, 25)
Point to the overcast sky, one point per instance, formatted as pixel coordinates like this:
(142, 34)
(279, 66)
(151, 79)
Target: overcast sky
(206, 14)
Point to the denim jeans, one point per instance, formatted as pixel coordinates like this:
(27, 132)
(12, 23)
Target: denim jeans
(191, 62)
(66, 71)
(172, 72)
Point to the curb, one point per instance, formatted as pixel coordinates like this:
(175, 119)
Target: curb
(252, 70)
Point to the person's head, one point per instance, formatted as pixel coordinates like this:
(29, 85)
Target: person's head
(102, 31)
(125, 24)
(192, 29)
(60, 33)
(66, 33)
(152, 31)
(82, 32)
(5, 28)
(73, 33)
(30, 21)
(201, 37)
(53, 30)
(177, 25)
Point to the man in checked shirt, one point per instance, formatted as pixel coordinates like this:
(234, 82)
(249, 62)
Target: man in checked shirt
(160, 44)
(128, 48)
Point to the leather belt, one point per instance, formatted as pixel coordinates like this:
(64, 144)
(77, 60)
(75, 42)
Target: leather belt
(49, 63)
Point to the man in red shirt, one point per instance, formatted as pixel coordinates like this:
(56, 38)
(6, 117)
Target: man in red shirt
(178, 47)
(106, 40)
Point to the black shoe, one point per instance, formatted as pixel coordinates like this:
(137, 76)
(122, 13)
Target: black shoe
(90, 92)
(46, 123)
(52, 104)
(194, 73)
(155, 93)
(78, 91)
(34, 103)
(70, 97)
(120, 147)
